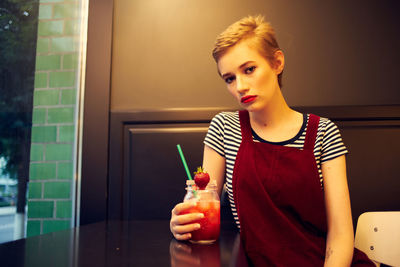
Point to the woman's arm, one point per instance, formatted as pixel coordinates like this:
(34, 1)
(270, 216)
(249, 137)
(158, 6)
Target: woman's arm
(214, 164)
(340, 239)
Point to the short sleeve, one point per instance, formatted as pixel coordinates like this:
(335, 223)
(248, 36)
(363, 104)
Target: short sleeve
(215, 134)
(332, 143)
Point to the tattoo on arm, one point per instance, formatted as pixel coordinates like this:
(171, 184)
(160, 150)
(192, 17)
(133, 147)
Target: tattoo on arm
(328, 253)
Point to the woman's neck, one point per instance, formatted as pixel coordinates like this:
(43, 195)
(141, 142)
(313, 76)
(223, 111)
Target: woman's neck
(277, 122)
(274, 114)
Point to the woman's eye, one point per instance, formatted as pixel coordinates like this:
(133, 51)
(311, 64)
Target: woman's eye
(229, 79)
(249, 69)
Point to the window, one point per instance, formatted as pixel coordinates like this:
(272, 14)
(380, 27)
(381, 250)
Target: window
(40, 66)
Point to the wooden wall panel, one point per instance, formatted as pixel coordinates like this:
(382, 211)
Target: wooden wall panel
(156, 176)
(147, 178)
(373, 164)
(92, 188)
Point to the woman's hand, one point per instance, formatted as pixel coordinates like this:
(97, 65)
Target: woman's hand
(183, 223)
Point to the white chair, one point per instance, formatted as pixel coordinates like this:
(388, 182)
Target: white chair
(378, 236)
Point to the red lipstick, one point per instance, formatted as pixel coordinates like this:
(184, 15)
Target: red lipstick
(248, 98)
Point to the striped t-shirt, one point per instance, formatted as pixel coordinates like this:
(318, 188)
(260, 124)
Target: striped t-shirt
(224, 136)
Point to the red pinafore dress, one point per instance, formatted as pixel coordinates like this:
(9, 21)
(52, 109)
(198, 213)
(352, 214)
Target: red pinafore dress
(280, 202)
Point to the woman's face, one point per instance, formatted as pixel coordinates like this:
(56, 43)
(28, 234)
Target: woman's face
(249, 76)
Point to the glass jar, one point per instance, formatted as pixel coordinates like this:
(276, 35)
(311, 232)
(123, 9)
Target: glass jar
(208, 203)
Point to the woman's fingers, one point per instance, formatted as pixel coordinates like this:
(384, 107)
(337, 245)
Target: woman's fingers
(183, 237)
(183, 232)
(177, 218)
(182, 207)
(186, 218)
(182, 225)
(186, 228)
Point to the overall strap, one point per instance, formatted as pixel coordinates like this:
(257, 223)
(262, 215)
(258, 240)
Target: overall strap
(245, 126)
(312, 129)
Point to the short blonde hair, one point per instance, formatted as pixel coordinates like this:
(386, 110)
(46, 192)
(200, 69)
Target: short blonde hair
(253, 28)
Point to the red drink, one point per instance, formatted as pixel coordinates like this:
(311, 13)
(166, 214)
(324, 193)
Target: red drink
(207, 203)
(210, 224)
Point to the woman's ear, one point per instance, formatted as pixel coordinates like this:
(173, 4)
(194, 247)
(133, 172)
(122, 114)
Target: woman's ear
(279, 62)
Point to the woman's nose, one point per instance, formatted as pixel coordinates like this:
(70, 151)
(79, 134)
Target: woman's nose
(241, 85)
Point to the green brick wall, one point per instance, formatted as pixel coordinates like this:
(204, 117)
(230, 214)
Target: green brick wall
(51, 174)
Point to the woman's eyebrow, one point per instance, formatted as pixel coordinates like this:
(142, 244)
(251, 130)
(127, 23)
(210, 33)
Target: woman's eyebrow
(225, 75)
(246, 63)
(240, 67)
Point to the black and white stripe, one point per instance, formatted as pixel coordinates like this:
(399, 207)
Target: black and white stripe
(224, 136)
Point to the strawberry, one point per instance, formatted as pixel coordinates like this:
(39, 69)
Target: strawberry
(201, 178)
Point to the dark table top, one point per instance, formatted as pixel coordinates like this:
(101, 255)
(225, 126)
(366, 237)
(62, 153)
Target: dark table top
(122, 243)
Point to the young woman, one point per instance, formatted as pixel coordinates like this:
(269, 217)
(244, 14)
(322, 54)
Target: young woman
(285, 172)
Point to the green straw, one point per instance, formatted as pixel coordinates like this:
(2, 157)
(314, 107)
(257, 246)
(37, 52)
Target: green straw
(184, 161)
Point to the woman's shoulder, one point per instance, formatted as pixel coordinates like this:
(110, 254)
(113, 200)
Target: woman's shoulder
(228, 114)
(326, 125)
(227, 117)
(329, 140)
